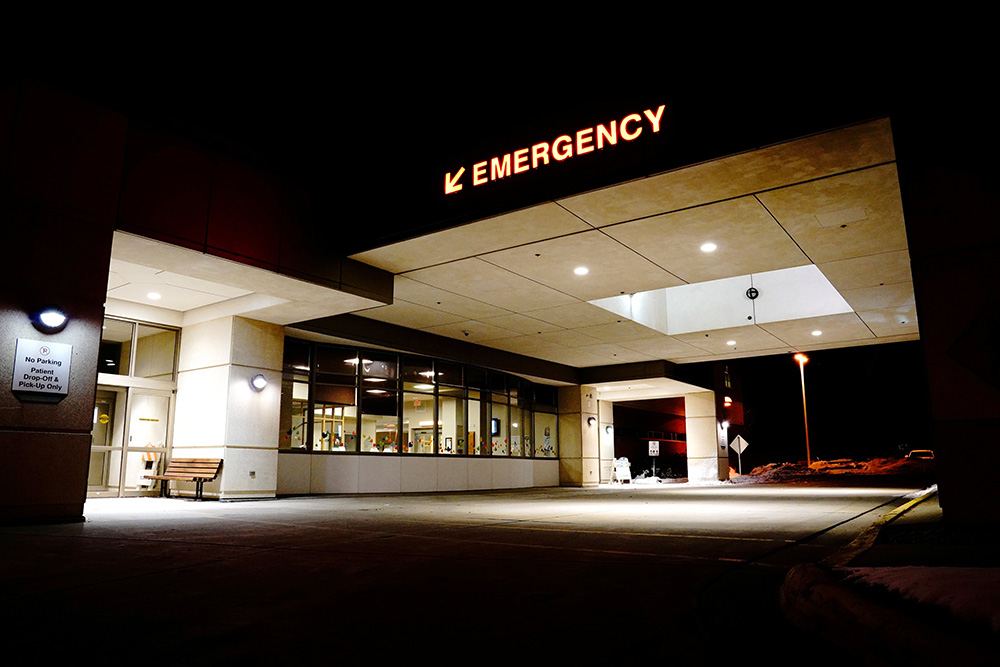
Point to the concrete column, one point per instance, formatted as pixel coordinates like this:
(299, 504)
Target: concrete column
(707, 460)
(606, 440)
(579, 453)
(218, 413)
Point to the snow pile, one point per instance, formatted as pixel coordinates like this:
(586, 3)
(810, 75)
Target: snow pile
(970, 593)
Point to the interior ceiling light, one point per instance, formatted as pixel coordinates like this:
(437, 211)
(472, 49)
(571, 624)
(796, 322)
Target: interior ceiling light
(581, 270)
(153, 295)
(708, 247)
(423, 386)
(817, 333)
(730, 342)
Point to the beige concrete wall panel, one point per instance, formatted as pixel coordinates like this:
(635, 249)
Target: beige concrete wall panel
(410, 315)
(545, 473)
(480, 473)
(418, 474)
(257, 344)
(703, 469)
(699, 404)
(516, 228)
(443, 300)
(673, 241)
(491, 284)
(834, 328)
(379, 474)
(471, 331)
(202, 403)
(892, 322)
(570, 472)
(569, 399)
(552, 263)
(844, 216)
(333, 474)
(206, 344)
(702, 437)
(716, 342)
(521, 324)
(294, 474)
(249, 473)
(570, 436)
(795, 161)
(252, 417)
(883, 268)
(897, 295)
(453, 473)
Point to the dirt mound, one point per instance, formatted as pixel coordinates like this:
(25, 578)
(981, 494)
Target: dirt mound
(790, 472)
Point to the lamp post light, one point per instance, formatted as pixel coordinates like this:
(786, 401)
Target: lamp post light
(802, 359)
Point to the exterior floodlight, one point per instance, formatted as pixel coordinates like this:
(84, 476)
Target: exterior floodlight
(49, 320)
(258, 382)
(727, 401)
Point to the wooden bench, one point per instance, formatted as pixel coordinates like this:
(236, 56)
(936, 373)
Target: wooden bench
(198, 471)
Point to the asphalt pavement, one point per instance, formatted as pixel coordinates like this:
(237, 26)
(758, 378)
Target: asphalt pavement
(681, 574)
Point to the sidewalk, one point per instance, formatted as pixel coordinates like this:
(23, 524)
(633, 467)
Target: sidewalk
(912, 590)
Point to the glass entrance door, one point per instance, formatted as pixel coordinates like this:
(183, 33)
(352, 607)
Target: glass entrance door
(128, 441)
(107, 442)
(146, 443)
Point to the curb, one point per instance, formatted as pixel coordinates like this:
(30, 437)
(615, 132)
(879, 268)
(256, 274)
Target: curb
(815, 600)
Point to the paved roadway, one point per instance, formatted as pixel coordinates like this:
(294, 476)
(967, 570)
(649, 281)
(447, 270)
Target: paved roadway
(677, 573)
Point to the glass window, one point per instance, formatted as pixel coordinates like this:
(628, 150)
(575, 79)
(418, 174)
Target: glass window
(116, 347)
(336, 365)
(477, 437)
(500, 445)
(546, 435)
(335, 419)
(451, 416)
(295, 356)
(379, 421)
(419, 424)
(294, 413)
(418, 374)
(516, 423)
(449, 373)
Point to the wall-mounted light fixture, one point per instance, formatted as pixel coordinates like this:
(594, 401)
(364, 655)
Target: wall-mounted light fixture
(609, 429)
(258, 382)
(49, 320)
(591, 421)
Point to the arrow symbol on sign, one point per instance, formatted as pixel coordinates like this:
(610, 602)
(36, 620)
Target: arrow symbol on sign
(452, 184)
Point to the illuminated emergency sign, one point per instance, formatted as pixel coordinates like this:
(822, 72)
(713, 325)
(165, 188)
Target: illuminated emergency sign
(561, 148)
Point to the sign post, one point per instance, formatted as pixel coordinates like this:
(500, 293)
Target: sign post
(739, 444)
(654, 451)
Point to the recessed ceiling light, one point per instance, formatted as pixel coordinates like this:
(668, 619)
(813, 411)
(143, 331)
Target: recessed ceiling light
(817, 333)
(730, 342)
(708, 247)
(153, 295)
(581, 270)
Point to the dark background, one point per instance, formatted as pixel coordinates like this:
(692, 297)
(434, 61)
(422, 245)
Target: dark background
(370, 138)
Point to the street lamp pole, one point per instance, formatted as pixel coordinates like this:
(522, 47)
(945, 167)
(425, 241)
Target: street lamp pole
(802, 359)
